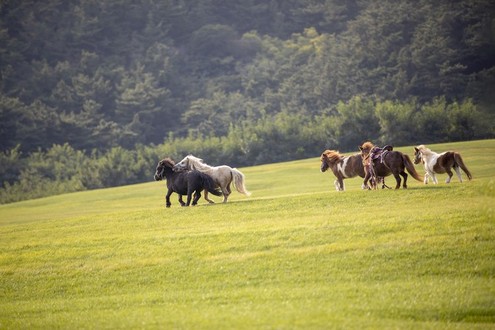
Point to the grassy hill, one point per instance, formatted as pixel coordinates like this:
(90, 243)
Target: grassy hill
(296, 254)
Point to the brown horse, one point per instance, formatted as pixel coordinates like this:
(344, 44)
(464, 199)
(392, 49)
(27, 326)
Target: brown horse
(384, 162)
(440, 163)
(343, 167)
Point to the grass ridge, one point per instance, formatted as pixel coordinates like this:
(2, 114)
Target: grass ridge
(297, 254)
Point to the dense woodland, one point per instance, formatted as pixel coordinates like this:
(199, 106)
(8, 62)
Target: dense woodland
(93, 93)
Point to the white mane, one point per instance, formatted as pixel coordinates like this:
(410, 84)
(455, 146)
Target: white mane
(196, 163)
(424, 150)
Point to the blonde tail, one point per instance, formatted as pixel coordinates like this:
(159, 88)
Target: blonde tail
(239, 182)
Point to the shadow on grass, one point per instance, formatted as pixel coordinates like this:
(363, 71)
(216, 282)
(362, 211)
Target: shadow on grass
(430, 187)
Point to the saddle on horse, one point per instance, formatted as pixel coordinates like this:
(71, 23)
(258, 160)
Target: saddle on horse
(379, 153)
(374, 154)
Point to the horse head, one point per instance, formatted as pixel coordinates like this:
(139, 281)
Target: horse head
(324, 164)
(183, 165)
(329, 157)
(163, 166)
(366, 149)
(189, 162)
(418, 155)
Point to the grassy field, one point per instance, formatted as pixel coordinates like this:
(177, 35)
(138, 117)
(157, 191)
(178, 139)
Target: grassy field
(296, 254)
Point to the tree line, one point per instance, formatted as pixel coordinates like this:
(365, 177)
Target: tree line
(118, 82)
(62, 168)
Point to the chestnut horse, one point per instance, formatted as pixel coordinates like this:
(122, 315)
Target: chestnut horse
(343, 167)
(386, 163)
(440, 163)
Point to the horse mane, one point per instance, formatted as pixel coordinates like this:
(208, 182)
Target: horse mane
(197, 163)
(422, 147)
(367, 145)
(168, 162)
(332, 155)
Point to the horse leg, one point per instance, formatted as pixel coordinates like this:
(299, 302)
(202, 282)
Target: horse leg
(206, 197)
(458, 172)
(181, 201)
(373, 183)
(167, 198)
(450, 175)
(365, 182)
(189, 196)
(197, 196)
(384, 185)
(225, 193)
(398, 180)
(434, 178)
(404, 175)
(339, 184)
(426, 178)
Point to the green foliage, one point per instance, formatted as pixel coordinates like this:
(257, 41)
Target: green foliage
(356, 122)
(88, 74)
(396, 122)
(11, 165)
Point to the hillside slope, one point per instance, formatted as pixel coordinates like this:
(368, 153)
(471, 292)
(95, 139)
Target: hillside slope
(297, 254)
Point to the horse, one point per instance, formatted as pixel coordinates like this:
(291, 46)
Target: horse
(385, 163)
(184, 183)
(222, 175)
(343, 167)
(435, 163)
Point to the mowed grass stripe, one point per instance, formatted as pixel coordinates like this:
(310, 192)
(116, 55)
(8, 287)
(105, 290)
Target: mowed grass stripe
(416, 258)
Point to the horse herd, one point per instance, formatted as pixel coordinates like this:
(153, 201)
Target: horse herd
(374, 163)
(191, 175)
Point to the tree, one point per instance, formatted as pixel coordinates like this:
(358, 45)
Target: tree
(396, 122)
(356, 122)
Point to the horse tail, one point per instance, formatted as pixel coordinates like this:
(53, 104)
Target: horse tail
(459, 162)
(410, 167)
(238, 179)
(209, 184)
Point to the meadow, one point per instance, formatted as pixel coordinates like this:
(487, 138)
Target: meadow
(296, 254)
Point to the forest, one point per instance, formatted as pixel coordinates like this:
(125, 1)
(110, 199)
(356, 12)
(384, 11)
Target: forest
(94, 93)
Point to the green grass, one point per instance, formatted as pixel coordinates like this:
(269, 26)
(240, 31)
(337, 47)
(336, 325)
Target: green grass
(296, 254)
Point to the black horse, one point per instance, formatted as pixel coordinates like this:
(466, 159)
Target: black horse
(184, 183)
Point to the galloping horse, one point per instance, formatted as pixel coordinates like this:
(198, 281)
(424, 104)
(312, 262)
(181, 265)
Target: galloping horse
(386, 163)
(343, 167)
(222, 175)
(184, 183)
(440, 163)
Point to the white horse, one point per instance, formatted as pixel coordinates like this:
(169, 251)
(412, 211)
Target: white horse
(222, 175)
(440, 163)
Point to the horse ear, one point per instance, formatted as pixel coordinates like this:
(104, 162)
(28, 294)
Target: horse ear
(416, 149)
(360, 148)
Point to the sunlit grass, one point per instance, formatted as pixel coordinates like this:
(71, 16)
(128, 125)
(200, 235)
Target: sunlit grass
(297, 254)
